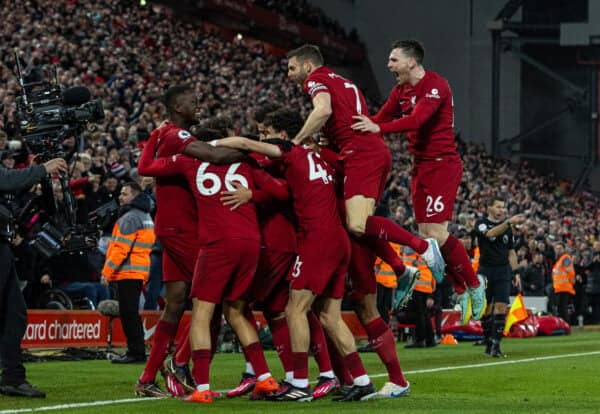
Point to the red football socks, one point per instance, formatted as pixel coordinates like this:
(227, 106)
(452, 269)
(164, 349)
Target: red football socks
(163, 335)
(201, 369)
(183, 351)
(355, 365)
(300, 361)
(387, 253)
(255, 356)
(385, 229)
(337, 361)
(318, 344)
(281, 339)
(458, 264)
(382, 340)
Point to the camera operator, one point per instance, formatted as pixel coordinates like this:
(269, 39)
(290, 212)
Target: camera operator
(13, 312)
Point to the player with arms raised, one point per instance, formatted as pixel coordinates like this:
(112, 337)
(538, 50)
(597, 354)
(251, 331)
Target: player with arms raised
(421, 105)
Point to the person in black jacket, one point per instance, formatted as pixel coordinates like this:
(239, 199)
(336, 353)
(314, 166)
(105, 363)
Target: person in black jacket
(534, 276)
(13, 311)
(592, 287)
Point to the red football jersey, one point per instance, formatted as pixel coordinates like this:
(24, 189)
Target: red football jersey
(313, 189)
(276, 217)
(207, 181)
(346, 101)
(175, 208)
(427, 111)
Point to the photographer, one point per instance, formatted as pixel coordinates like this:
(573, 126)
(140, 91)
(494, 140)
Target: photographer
(13, 312)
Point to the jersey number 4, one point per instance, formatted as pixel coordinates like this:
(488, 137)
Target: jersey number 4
(209, 183)
(316, 170)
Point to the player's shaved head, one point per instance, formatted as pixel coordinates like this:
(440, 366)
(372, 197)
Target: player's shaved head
(411, 48)
(310, 53)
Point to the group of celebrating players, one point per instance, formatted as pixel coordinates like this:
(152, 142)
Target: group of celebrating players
(283, 223)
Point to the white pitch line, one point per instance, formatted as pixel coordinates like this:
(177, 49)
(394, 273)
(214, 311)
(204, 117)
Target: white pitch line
(491, 364)
(418, 371)
(77, 405)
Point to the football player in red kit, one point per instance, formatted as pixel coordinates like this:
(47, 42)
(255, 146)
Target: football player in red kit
(366, 163)
(175, 226)
(227, 260)
(421, 105)
(320, 268)
(270, 286)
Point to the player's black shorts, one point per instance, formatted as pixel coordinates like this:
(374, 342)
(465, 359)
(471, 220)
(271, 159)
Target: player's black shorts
(499, 282)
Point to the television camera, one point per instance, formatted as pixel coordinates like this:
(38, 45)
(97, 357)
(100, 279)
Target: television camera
(47, 115)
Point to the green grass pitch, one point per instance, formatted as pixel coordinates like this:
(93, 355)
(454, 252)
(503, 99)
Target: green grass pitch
(540, 375)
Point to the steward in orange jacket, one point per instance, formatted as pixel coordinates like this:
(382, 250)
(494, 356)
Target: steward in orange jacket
(128, 265)
(128, 255)
(563, 275)
(424, 335)
(563, 281)
(384, 274)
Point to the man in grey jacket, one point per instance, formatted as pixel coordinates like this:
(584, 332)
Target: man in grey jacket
(13, 311)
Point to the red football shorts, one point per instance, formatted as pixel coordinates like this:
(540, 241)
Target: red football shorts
(367, 164)
(179, 257)
(434, 184)
(322, 263)
(361, 272)
(225, 269)
(270, 286)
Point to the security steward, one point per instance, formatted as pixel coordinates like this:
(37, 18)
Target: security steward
(421, 300)
(13, 311)
(386, 283)
(128, 265)
(563, 280)
(498, 262)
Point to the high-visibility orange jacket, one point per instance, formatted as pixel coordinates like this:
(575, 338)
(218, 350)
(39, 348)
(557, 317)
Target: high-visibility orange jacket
(563, 275)
(128, 255)
(426, 282)
(475, 259)
(384, 274)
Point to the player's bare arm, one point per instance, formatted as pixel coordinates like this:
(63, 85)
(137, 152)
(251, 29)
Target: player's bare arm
(317, 117)
(245, 144)
(205, 152)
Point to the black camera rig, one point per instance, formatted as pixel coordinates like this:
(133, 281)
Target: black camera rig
(47, 114)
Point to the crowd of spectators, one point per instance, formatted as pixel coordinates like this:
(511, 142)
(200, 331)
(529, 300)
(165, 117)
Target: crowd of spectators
(554, 215)
(304, 12)
(127, 55)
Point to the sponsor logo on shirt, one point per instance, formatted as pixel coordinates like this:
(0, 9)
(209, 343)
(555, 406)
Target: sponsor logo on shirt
(183, 134)
(435, 94)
